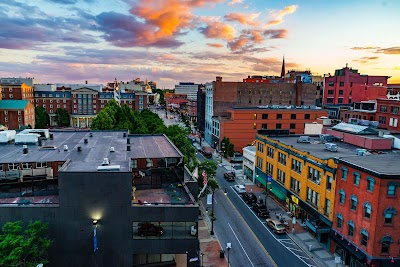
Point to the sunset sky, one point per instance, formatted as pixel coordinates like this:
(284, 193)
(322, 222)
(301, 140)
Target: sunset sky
(172, 41)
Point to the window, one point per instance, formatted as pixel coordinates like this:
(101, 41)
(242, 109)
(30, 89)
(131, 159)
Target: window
(389, 213)
(314, 175)
(264, 116)
(340, 100)
(367, 210)
(383, 108)
(278, 116)
(329, 100)
(341, 84)
(364, 237)
(292, 126)
(344, 173)
(278, 126)
(270, 152)
(41, 165)
(394, 110)
(260, 147)
(356, 180)
(281, 158)
(327, 206)
(293, 116)
(340, 92)
(281, 176)
(13, 166)
(370, 184)
(391, 190)
(26, 166)
(312, 197)
(353, 202)
(259, 162)
(264, 126)
(295, 185)
(342, 196)
(307, 116)
(339, 218)
(270, 168)
(19, 112)
(330, 92)
(386, 241)
(329, 180)
(297, 166)
(331, 83)
(351, 228)
(382, 119)
(19, 119)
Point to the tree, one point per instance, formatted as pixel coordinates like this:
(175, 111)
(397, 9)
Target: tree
(62, 117)
(227, 148)
(41, 117)
(102, 121)
(211, 170)
(24, 247)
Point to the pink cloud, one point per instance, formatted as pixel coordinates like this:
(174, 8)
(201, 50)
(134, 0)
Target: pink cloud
(219, 30)
(216, 45)
(281, 14)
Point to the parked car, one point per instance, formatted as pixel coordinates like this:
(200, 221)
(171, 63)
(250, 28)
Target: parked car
(240, 189)
(237, 157)
(193, 230)
(230, 176)
(261, 210)
(276, 226)
(206, 152)
(249, 198)
(149, 229)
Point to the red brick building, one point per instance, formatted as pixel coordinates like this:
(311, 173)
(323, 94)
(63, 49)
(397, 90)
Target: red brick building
(365, 228)
(192, 110)
(388, 114)
(17, 113)
(176, 102)
(365, 110)
(348, 86)
(16, 91)
(241, 124)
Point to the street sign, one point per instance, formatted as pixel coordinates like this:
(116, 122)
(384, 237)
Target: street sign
(269, 179)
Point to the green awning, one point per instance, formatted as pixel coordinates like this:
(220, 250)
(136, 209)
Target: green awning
(279, 194)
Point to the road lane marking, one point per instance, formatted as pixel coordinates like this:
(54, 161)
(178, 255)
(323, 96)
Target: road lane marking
(241, 245)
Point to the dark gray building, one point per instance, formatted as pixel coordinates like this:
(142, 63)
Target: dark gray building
(127, 192)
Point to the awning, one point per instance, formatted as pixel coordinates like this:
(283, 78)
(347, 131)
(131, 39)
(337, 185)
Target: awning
(349, 248)
(279, 194)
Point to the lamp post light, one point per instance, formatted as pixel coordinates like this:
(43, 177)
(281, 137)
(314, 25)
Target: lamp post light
(228, 248)
(266, 190)
(213, 211)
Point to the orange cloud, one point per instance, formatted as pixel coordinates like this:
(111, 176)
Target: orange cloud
(281, 14)
(234, 2)
(366, 60)
(219, 30)
(217, 45)
(245, 19)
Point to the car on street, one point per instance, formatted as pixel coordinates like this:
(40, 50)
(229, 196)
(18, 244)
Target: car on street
(240, 189)
(249, 198)
(229, 176)
(261, 210)
(149, 229)
(276, 226)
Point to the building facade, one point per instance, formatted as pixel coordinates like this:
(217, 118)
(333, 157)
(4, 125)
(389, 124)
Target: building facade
(187, 88)
(15, 114)
(387, 113)
(364, 231)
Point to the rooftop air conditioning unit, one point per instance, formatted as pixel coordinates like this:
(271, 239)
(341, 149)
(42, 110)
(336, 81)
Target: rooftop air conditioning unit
(65, 148)
(331, 147)
(105, 162)
(112, 149)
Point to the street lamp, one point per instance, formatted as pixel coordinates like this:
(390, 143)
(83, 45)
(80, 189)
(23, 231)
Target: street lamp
(266, 190)
(212, 207)
(228, 247)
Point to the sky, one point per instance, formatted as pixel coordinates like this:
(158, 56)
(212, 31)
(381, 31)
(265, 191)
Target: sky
(172, 41)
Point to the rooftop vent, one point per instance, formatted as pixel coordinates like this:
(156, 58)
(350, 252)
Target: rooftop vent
(79, 148)
(105, 162)
(112, 149)
(304, 139)
(25, 149)
(65, 148)
(91, 135)
(331, 147)
(85, 140)
(128, 141)
(128, 148)
(124, 134)
(51, 136)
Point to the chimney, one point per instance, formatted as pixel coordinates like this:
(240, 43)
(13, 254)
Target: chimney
(85, 82)
(218, 79)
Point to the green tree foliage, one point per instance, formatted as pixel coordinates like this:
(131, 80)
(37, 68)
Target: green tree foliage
(62, 117)
(228, 148)
(41, 117)
(21, 247)
(211, 170)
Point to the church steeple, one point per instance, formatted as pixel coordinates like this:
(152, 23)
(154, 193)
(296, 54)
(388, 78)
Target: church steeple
(283, 68)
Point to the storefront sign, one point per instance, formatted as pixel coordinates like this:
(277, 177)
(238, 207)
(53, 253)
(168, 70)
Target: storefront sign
(295, 200)
(269, 179)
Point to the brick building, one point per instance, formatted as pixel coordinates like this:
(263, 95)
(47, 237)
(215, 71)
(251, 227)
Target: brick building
(16, 91)
(387, 112)
(17, 113)
(220, 96)
(176, 102)
(348, 86)
(365, 226)
(241, 124)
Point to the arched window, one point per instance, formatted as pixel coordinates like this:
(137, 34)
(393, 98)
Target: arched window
(386, 241)
(353, 202)
(342, 196)
(344, 172)
(367, 210)
(392, 186)
(339, 217)
(364, 237)
(389, 213)
(356, 176)
(351, 227)
(370, 183)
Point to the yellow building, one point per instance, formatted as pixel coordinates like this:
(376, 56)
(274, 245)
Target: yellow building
(302, 177)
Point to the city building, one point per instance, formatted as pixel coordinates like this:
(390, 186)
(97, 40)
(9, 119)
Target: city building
(109, 198)
(176, 102)
(136, 85)
(192, 110)
(187, 88)
(221, 96)
(30, 81)
(249, 159)
(16, 91)
(365, 228)
(387, 112)
(347, 85)
(15, 114)
(201, 109)
(241, 124)
(360, 111)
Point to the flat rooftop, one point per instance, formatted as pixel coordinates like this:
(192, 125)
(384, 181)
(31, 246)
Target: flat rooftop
(93, 152)
(317, 148)
(384, 164)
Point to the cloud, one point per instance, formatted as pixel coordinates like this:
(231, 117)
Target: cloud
(366, 60)
(376, 49)
(278, 17)
(364, 48)
(275, 34)
(68, 2)
(235, 2)
(217, 45)
(219, 30)
(245, 19)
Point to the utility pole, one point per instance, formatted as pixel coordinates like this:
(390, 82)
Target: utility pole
(213, 214)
